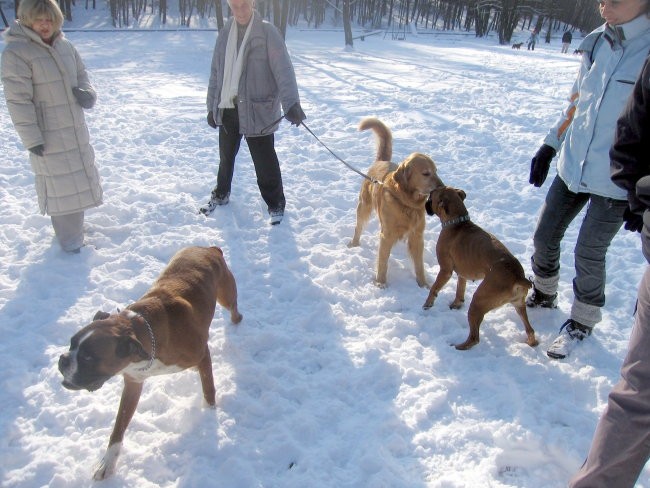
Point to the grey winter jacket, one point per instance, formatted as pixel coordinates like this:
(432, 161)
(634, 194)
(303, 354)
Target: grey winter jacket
(585, 131)
(38, 81)
(267, 82)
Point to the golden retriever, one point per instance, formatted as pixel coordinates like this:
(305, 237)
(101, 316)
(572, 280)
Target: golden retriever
(398, 194)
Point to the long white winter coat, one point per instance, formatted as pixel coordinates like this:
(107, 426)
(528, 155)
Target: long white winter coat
(38, 81)
(585, 131)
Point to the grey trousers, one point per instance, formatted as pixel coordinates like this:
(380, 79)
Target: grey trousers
(602, 220)
(621, 444)
(69, 230)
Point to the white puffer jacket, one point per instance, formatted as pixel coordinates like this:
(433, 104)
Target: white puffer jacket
(38, 81)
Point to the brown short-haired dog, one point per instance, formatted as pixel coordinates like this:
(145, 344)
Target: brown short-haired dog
(398, 197)
(475, 254)
(163, 332)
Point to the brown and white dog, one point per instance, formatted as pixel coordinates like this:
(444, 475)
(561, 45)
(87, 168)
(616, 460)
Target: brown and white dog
(475, 254)
(163, 332)
(398, 194)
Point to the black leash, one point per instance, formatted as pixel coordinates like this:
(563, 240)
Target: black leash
(373, 180)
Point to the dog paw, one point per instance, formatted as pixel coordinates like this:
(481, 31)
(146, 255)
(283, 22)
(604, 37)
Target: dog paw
(380, 284)
(353, 243)
(456, 305)
(427, 306)
(468, 344)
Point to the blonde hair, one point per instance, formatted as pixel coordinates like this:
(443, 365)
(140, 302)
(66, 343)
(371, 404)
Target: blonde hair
(30, 10)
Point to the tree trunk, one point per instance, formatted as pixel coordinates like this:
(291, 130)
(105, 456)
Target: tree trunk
(347, 24)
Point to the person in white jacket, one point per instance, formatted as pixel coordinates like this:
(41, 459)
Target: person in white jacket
(612, 58)
(46, 88)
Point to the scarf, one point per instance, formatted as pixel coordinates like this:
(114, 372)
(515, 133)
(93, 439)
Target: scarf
(233, 66)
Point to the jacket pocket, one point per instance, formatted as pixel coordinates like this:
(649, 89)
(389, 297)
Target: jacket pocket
(264, 112)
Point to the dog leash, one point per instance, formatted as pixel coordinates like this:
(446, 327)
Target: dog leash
(372, 180)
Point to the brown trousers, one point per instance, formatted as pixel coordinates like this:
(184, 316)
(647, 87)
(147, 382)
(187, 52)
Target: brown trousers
(621, 444)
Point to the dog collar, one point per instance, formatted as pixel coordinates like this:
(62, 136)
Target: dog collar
(457, 220)
(152, 357)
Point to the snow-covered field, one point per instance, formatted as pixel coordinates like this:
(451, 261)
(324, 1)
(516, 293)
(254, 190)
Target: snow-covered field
(328, 381)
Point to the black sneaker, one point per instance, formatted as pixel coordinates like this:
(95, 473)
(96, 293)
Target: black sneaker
(276, 216)
(539, 299)
(215, 201)
(571, 334)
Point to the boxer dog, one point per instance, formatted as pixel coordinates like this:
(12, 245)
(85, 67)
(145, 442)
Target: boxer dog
(475, 254)
(163, 332)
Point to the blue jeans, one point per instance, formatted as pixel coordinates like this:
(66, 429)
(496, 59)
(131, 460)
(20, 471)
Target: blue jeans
(603, 219)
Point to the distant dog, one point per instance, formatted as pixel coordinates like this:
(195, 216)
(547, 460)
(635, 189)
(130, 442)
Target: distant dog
(577, 51)
(398, 196)
(163, 332)
(517, 45)
(474, 254)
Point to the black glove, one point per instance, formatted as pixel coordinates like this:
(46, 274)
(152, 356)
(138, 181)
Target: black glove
(633, 221)
(86, 98)
(211, 122)
(540, 164)
(295, 115)
(38, 150)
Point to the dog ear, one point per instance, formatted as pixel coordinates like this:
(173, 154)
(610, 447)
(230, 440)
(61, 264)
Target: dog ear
(461, 194)
(101, 315)
(402, 175)
(128, 346)
(428, 206)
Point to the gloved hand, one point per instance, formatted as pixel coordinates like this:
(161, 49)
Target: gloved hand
(633, 221)
(211, 122)
(295, 115)
(85, 98)
(540, 164)
(38, 150)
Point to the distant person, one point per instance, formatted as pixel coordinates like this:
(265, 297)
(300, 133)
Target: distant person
(46, 88)
(612, 57)
(251, 77)
(567, 37)
(621, 444)
(532, 40)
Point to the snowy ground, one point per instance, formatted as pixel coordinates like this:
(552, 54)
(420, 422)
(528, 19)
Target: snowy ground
(328, 381)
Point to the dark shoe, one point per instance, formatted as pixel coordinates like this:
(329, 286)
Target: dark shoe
(539, 299)
(215, 201)
(571, 334)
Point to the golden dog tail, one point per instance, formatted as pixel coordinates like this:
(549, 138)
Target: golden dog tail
(384, 137)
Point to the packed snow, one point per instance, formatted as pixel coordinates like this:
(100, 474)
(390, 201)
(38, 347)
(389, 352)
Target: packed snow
(329, 381)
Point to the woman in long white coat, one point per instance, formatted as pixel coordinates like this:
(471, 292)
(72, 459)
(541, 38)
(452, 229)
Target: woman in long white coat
(46, 88)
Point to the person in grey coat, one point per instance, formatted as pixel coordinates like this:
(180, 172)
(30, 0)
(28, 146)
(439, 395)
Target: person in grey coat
(251, 78)
(46, 88)
(621, 444)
